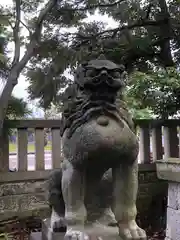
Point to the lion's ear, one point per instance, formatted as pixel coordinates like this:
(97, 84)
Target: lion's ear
(84, 64)
(101, 57)
(121, 67)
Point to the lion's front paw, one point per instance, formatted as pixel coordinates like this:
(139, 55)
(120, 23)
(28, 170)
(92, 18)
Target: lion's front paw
(131, 231)
(79, 235)
(75, 235)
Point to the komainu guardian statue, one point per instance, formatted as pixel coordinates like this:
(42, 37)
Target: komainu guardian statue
(97, 137)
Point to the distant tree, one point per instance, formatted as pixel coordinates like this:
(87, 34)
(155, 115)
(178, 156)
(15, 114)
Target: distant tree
(44, 46)
(3, 45)
(37, 18)
(157, 91)
(54, 112)
(17, 109)
(146, 32)
(145, 35)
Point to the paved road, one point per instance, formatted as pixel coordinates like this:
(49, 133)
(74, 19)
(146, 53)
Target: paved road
(31, 161)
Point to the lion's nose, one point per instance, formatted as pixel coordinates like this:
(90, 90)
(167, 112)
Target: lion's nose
(104, 72)
(96, 81)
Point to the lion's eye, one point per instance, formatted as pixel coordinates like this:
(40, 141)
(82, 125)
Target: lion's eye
(90, 73)
(115, 74)
(81, 88)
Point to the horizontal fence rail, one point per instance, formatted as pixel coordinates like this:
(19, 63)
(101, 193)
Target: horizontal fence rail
(158, 139)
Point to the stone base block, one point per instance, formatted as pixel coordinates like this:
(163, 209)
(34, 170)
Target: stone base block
(51, 236)
(36, 236)
(173, 223)
(94, 231)
(48, 234)
(174, 195)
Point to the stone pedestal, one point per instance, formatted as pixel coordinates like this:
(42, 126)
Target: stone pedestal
(170, 170)
(47, 233)
(94, 231)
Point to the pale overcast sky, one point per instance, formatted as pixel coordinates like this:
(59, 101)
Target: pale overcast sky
(20, 89)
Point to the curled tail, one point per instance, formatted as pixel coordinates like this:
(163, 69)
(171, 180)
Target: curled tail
(55, 196)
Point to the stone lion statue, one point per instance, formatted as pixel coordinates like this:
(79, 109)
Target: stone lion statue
(100, 151)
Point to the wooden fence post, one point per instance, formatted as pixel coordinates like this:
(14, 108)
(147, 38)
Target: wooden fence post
(4, 153)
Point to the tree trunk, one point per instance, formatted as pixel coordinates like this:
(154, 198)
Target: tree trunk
(4, 98)
(13, 80)
(166, 55)
(18, 65)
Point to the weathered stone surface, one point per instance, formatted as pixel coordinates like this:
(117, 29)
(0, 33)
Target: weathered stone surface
(22, 202)
(27, 198)
(93, 231)
(98, 134)
(173, 223)
(169, 169)
(174, 195)
(147, 177)
(36, 236)
(149, 189)
(23, 199)
(8, 189)
(17, 205)
(32, 201)
(9, 203)
(40, 212)
(48, 234)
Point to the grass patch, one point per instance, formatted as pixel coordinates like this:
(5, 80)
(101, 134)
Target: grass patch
(31, 147)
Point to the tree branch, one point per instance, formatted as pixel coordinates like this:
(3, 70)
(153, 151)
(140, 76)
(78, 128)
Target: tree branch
(139, 23)
(149, 8)
(10, 24)
(165, 31)
(42, 15)
(35, 36)
(18, 66)
(16, 33)
(30, 32)
(33, 41)
(93, 6)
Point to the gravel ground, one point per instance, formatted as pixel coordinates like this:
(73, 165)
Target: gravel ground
(21, 229)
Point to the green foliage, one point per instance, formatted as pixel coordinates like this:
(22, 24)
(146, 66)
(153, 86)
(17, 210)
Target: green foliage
(3, 45)
(4, 236)
(157, 90)
(143, 38)
(140, 40)
(17, 109)
(142, 34)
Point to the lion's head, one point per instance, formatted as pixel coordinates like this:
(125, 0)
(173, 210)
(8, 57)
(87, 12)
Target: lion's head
(93, 93)
(100, 78)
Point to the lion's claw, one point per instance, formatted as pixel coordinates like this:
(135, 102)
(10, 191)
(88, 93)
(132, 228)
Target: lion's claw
(131, 231)
(75, 235)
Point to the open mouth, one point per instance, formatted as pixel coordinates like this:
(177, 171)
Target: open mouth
(102, 96)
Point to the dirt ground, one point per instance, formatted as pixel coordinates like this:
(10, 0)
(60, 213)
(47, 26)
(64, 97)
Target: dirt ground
(20, 229)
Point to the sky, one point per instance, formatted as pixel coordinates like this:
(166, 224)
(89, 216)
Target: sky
(20, 89)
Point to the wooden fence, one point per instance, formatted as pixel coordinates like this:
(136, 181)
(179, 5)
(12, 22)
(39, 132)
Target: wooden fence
(158, 139)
